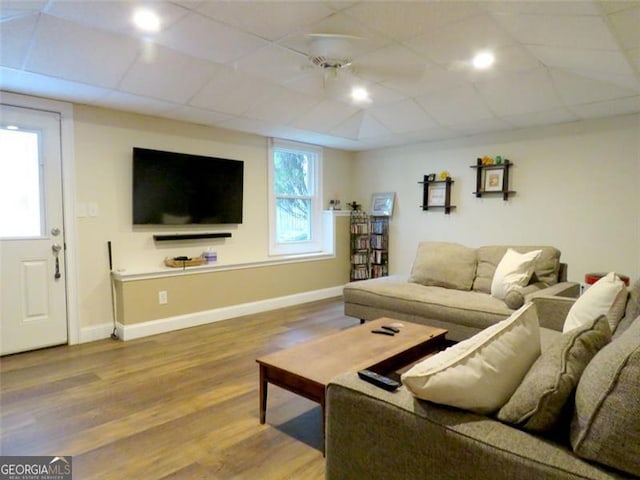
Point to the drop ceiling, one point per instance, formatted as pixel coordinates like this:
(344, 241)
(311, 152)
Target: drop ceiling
(243, 65)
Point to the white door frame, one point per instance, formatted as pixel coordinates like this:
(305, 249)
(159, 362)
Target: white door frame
(68, 198)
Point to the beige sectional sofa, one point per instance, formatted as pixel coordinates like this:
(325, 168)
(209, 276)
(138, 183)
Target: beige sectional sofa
(375, 434)
(450, 287)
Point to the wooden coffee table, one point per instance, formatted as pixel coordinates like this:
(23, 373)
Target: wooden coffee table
(306, 369)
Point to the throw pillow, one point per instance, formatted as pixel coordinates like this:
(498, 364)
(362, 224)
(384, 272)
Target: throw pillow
(606, 424)
(447, 265)
(608, 296)
(482, 372)
(514, 270)
(538, 402)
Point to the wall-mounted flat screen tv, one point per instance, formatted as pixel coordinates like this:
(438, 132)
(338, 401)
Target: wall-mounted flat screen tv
(181, 189)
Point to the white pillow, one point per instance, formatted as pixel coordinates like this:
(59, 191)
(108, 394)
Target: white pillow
(608, 296)
(481, 373)
(514, 270)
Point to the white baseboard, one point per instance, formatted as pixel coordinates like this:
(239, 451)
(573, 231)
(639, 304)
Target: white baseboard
(95, 332)
(162, 325)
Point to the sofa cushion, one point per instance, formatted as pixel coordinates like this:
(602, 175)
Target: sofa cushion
(608, 296)
(441, 264)
(606, 424)
(514, 270)
(481, 373)
(545, 269)
(538, 402)
(395, 296)
(632, 310)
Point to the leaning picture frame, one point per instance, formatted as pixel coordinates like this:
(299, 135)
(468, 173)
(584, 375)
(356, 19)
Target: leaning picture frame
(493, 180)
(382, 204)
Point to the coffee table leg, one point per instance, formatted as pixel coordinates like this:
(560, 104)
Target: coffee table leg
(263, 395)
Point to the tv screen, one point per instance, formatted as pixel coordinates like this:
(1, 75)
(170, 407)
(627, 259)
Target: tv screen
(181, 189)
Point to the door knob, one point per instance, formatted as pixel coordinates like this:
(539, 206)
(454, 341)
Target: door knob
(56, 247)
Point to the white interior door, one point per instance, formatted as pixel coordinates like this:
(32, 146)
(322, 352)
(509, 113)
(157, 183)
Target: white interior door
(33, 308)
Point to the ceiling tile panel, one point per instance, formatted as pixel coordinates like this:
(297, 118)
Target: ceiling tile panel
(202, 37)
(15, 37)
(244, 64)
(197, 115)
(547, 117)
(324, 116)
(547, 7)
(396, 61)
(587, 32)
(461, 40)
(134, 103)
(601, 63)
(405, 116)
(233, 92)
(167, 75)
(366, 40)
(405, 20)
(607, 108)
(269, 20)
(456, 105)
(17, 8)
(67, 50)
(576, 89)
(113, 15)
(361, 126)
(626, 27)
(45, 86)
(519, 93)
(275, 63)
(283, 107)
(433, 79)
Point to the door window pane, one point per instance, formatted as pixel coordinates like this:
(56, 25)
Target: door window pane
(20, 180)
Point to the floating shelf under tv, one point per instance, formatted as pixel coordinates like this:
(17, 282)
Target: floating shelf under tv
(190, 236)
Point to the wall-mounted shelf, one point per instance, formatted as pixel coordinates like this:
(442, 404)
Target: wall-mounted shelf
(190, 236)
(493, 178)
(436, 194)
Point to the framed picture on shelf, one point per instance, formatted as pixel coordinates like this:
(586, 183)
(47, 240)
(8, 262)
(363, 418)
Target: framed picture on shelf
(493, 180)
(382, 204)
(437, 195)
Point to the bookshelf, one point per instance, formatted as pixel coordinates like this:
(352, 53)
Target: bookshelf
(369, 246)
(359, 245)
(379, 244)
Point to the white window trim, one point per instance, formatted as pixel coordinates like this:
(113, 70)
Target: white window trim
(316, 243)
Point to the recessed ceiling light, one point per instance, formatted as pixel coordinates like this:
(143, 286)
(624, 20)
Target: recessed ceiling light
(146, 20)
(483, 60)
(12, 127)
(359, 94)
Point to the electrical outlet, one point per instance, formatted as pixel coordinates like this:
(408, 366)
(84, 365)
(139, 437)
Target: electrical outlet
(162, 297)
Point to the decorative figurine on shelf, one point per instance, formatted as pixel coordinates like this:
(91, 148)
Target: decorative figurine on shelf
(498, 160)
(443, 175)
(487, 160)
(431, 177)
(354, 206)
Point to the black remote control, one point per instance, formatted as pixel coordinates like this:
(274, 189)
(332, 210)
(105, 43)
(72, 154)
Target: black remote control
(378, 380)
(391, 329)
(382, 332)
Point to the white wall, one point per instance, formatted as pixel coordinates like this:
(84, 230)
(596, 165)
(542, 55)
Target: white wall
(103, 148)
(578, 188)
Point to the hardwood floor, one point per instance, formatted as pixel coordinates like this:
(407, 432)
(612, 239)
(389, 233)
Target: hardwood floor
(179, 405)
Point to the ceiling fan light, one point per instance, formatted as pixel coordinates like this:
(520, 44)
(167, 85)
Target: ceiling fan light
(359, 94)
(483, 60)
(146, 20)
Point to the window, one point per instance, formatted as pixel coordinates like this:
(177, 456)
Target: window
(295, 203)
(20, 184)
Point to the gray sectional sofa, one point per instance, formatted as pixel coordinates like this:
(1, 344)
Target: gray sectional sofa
(375, 434)
(450, 287)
